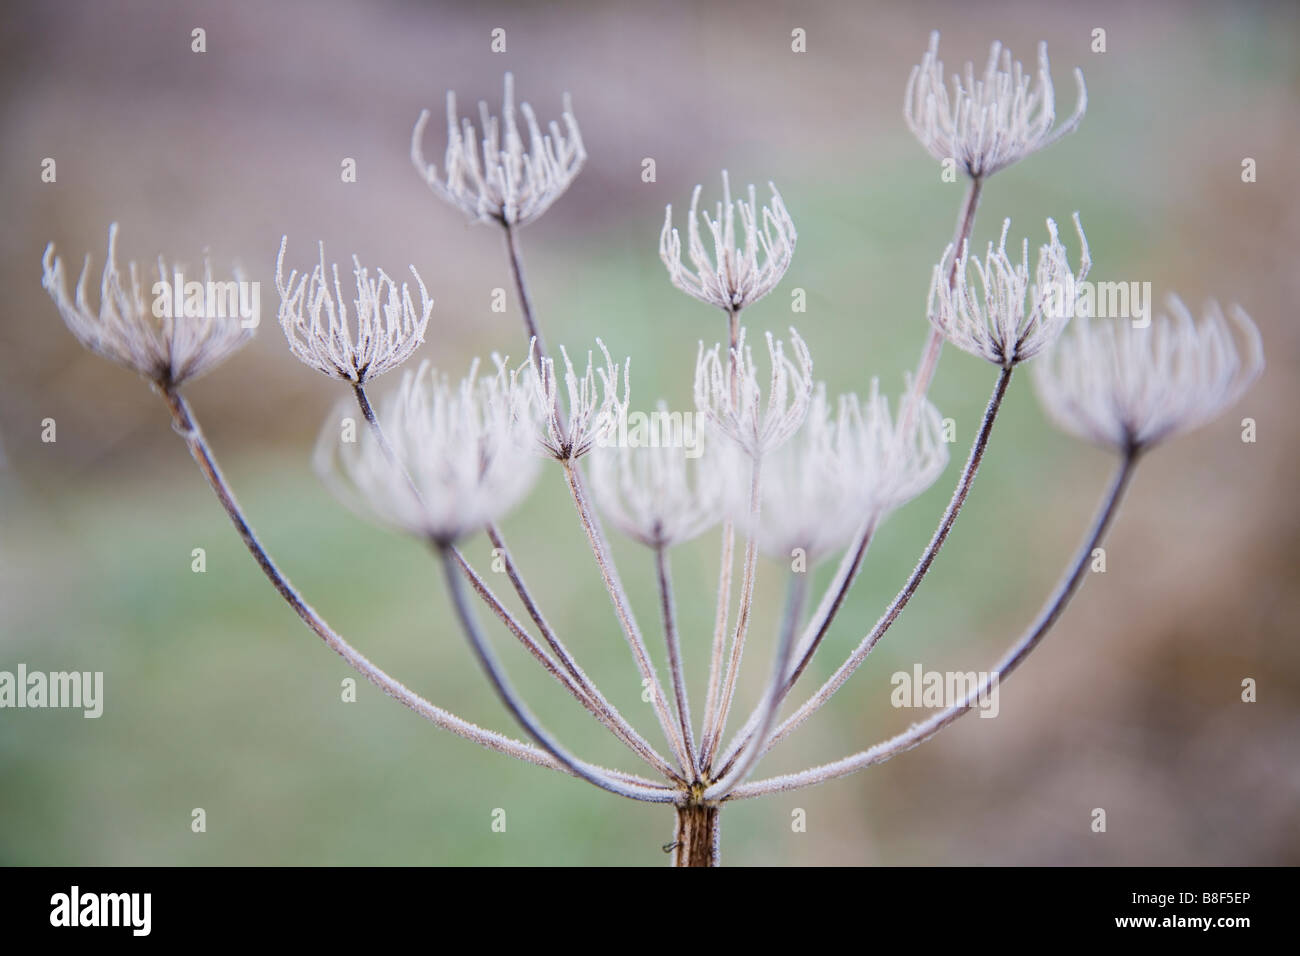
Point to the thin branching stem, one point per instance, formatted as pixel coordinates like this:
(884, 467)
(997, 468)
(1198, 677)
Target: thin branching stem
(372, 421)
(965, 222)
(187, 426)
(749, 756)
(617, 722)
(368, 413)
(673, 642)
(964, 483)
(653, 793)
(595, 535)
(594, 703)
(934, 342)
(726, 559)
(919, 733)
(710, 744)
(851, 563)
(719, 649)
(813, 633)
(525, 300)
(623, 610)
(606, 711)
(554, 669)
(514, 627)
(820, 624)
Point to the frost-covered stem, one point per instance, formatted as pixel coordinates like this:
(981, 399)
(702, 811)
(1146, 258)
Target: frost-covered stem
(833, 600)
(965, 222)
(673, 643)
(696, 838)
(525, 300)
(188, 428)
(813, 633)
(851, 563)
(530, 319)
(710, 744)
(720, 626)
(623, 609)
(919, 733)
(581, 694)
(653, 793)
(368, 413)
(749, 756)
(514, 627)
(724, 565)
(817, 700)
(934, 342)
(595, 536)
(578, 686)
(617, 722)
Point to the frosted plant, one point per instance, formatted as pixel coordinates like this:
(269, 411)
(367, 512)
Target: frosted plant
(805, 482)
(595, 407)
(848, 461)
(755, 420)
(168, 349)
(388, 325)
(511, 184)
(661, 495)
(469, 449)
(1127, 387)
(991, 122)
(445, 460)
(895, 463)
(1001, 317)
(734, 276)
(984, 126)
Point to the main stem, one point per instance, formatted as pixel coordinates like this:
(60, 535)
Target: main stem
(696, 839)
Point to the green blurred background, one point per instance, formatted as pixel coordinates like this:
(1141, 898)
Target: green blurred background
(216, 697)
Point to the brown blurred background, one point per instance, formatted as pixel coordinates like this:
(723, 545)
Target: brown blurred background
(217, 698)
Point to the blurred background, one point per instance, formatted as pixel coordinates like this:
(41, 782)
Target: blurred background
(217, 697)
